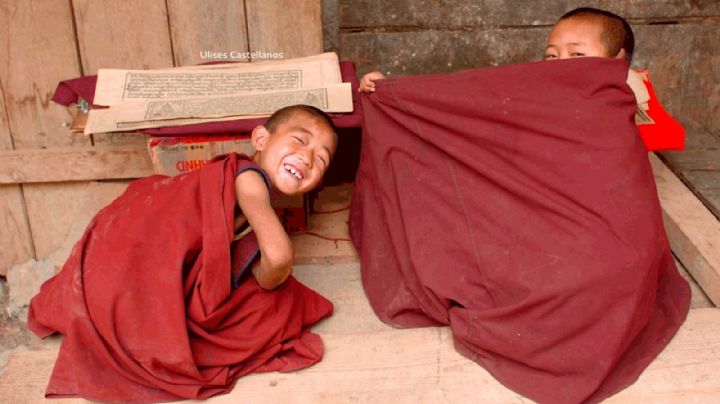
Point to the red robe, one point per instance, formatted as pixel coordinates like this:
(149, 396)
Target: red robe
(145, 301)
(517, 205)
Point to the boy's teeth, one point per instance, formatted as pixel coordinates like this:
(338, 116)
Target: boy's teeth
(293, 171)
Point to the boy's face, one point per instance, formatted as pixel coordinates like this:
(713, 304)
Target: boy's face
(576, 37)
(295, 156)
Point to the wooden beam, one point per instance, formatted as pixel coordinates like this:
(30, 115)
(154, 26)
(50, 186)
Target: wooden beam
(38, 41)
(694, 232)
(74, 164)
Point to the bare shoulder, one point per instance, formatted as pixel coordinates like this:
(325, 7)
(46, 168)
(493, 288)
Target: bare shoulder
(251, 183)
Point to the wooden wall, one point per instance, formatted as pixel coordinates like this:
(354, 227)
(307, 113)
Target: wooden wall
(677, 40)
(48, 177)
(45, 187)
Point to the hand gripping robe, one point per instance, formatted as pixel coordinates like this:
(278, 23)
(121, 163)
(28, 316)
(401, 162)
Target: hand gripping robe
(145, 301)
(517, 205)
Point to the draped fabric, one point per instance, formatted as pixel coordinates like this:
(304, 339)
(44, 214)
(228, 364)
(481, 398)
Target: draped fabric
(517, 205)
(146, 305)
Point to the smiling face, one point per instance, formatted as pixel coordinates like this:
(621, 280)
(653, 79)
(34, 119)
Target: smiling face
(296, 154)
(577, 37)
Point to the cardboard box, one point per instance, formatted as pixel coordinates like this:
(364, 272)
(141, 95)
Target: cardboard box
(179, 155)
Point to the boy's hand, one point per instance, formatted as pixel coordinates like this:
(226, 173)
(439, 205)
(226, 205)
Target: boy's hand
(367, 83)
(276, 251)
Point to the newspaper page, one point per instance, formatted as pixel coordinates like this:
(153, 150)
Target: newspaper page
(153, 114)
(115, 86)
(118, 86)
(334, 98)
(140, 99)
(328, 62)
(636, 83)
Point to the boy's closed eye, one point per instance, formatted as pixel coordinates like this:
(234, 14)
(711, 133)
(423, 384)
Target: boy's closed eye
(299, 139)
(321, 159)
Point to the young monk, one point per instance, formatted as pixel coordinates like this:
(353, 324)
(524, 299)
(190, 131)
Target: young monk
(581, 32)
(166, 296)
(294, 149)
(590, 32)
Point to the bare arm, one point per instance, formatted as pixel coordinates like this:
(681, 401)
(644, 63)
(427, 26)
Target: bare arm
(276, 251)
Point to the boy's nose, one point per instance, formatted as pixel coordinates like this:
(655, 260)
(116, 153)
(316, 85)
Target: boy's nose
(307, 157)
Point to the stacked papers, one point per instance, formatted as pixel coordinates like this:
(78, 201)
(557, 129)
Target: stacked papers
(140, 99)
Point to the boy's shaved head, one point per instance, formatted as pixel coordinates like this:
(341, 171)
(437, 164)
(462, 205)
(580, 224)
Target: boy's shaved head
(284, 114)
(617, 33)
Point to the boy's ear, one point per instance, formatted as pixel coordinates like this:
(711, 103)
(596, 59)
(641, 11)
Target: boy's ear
(622, 54)
(259, 137)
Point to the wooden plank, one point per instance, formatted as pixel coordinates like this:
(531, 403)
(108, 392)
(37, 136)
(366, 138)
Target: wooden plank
(60, 212)
(707, 159)
(198, 26)
(705, 185)
(74, 164)
(130, 34)
(293, 27)
(697, 137)
(711, 198)
(421, 366)
(38, 41)
(704, 180)
(340, 283)
(697, 166)
(693, 231)
(15, 236)
(327, 240)
(699, 299)
(6, 142)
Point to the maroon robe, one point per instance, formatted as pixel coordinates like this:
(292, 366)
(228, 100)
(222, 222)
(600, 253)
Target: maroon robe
(517, 205)
(145, 301)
